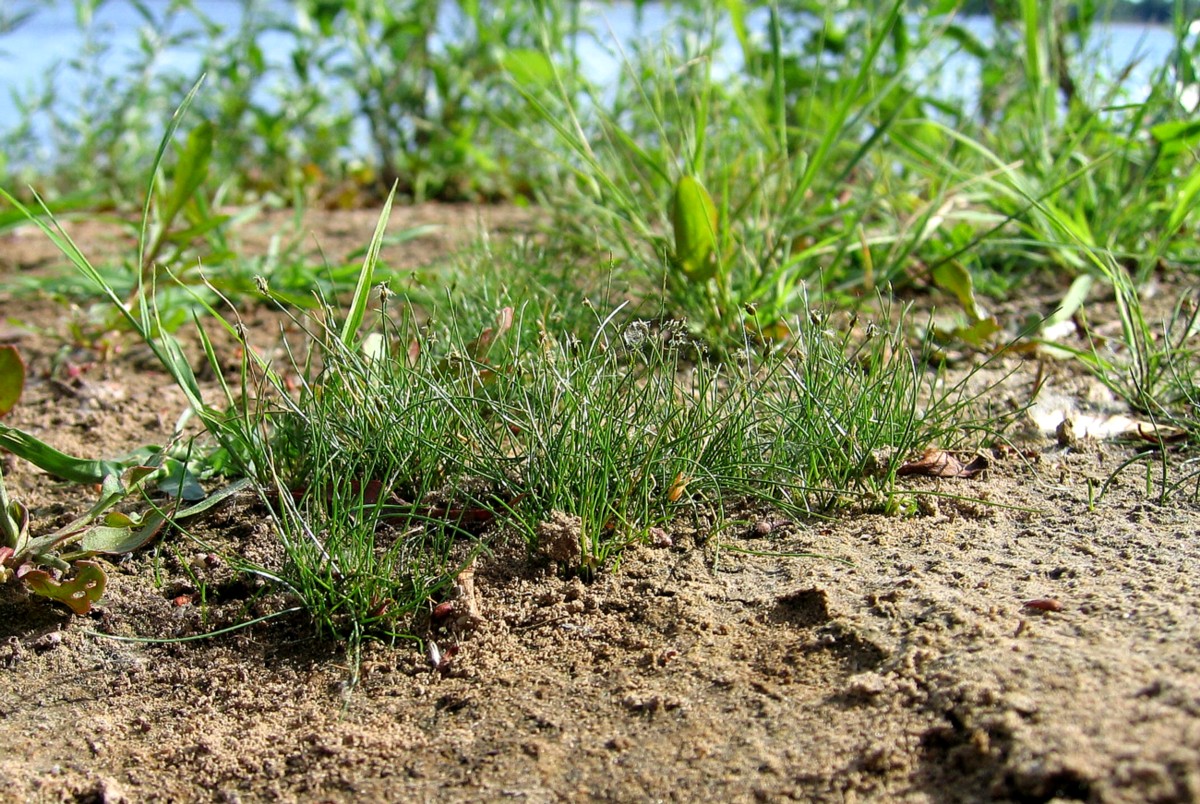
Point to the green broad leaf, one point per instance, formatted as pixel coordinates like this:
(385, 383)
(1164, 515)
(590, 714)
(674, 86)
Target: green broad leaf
(112, 540)
(1184, 132)
(124, 533)
(59, 464)
(133, 476)
(191, 170)
(77, 593)
(325, 13)
(529, 68)
(214, 499)
(978, 334)
(954, 278)
(1185, 201)
(970, 43)
(200, 229)
(1177, 138)
(10, 218)
(737, 18)
(900, 43)
(694, 217)
(1076, 295)
(177, 479)
(12, 378)
(119, 519)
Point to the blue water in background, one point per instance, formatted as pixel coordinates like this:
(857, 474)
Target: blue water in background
(30, 54)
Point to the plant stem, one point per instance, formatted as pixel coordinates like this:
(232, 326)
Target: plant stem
(9, 528)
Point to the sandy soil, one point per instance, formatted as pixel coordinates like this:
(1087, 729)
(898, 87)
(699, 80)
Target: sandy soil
(916, 671)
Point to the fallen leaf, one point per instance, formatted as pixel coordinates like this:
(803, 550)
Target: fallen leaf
(464, 592)
(936, 462)
(442, 612)
(1154, 433)
(478, 349)
(1069, 427)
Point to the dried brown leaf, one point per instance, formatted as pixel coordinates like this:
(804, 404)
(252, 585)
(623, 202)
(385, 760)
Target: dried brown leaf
(936, 462)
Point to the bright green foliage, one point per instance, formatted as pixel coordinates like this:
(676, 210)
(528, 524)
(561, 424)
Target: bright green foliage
(49, 459)
(793, 157)
(953, 277)
(829, 154)
(12, 378)
(289, 126)
(399, 443)
(358, 303)
(694, 218)
(14, 519)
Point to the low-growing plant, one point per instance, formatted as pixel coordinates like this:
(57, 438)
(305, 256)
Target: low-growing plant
(732, 196)
(385, 440)
(58, 564)
(1154, 368)
(395, 444)
(1063, 157)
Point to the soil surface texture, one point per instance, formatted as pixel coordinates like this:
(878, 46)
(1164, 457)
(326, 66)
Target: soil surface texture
(1016, 637)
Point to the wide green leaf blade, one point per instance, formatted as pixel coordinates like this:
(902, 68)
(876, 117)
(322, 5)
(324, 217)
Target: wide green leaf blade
(952, 276)
(119, 540)
(528, 67)
(694, 217)
(191, 169)
(59, 464)
(12, 378)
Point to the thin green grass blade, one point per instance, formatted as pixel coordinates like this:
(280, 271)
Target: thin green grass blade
(358, 304)
(165, 347)
(168, 138)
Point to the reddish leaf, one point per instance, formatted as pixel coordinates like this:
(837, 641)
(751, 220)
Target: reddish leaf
(78, 593)
(442, 612)
(479, 348)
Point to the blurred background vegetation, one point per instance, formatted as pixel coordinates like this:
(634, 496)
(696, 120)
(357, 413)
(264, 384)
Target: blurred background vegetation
(847, 145)
(338, 99)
